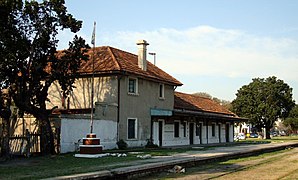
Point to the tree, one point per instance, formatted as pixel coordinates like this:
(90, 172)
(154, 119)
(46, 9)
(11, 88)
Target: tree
(292, 120)
(203, 94)
(263, 101)
(224, 103)
(5, 113)
(29, 61)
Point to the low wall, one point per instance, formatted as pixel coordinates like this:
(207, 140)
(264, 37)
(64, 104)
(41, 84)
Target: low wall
(72, 130)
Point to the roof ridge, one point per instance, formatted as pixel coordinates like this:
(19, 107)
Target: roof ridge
(122, 50)
(113, 57)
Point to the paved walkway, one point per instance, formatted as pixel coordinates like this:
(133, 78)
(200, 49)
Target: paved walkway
(190, 158)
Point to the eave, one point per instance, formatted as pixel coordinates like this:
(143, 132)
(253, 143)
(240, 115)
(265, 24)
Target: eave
(207, 115)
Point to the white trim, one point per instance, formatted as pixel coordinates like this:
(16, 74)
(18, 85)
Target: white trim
(82, 145)
(162, 131)
(136, 129)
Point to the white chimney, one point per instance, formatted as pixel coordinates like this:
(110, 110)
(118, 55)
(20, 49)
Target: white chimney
(142, 53)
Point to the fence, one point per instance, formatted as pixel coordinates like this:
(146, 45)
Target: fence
(25, 145)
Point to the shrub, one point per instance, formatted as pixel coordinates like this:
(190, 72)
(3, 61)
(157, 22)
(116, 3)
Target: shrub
(150, 144)
(121, 144)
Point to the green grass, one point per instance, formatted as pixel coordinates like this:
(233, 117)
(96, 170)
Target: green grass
(276, 139)
(51, 166)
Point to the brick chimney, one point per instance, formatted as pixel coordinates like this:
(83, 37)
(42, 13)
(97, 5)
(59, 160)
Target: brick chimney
(142, 53)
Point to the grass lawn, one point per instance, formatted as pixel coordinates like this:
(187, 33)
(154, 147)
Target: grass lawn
(273, 140)
(51, 166)
(66, 164)
(263, 166)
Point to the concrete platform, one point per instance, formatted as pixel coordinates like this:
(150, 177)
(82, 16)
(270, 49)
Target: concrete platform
(191, 158)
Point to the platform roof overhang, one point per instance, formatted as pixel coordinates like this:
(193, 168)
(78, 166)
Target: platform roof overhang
(207, 115)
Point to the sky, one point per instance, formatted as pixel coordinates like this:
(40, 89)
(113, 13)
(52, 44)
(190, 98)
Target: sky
(212, 46)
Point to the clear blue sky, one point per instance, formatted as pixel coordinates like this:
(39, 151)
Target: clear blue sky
(213, 46)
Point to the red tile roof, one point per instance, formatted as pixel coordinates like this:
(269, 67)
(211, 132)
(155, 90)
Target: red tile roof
(196, 103)
(111, 60)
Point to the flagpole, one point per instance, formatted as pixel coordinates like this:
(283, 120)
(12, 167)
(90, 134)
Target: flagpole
(92, 80)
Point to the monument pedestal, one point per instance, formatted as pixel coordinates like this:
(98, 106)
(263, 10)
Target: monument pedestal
(91, 145)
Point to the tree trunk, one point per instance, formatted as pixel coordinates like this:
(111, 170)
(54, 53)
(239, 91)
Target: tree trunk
(5, 150)
(267, 130)
(47, 142)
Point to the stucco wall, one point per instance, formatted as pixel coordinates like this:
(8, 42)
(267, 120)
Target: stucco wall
(105, 90)
(138, 106)
(73, 130)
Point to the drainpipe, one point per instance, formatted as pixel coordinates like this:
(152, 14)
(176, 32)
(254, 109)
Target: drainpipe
(118, 109)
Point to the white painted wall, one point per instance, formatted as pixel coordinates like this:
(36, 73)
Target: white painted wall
(136, 143)
(213, 139)
(223, 133)
(231, 137)
(74, 129)
(204, 134)
(155, 132)
(197, 138)
(170, 140)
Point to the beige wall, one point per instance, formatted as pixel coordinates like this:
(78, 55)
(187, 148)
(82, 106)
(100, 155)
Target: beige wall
(105, 90)
(138, 106)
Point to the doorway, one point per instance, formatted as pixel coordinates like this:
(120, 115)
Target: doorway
(160, 131)
(227, 132)
(199, 131)
(191, 131)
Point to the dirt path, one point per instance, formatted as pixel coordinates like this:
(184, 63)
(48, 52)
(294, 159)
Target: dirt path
(283, 165)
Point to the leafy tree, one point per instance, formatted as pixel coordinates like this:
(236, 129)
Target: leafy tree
(5, 113)
(292, 120)
(263, 101)
(29, 63)
(225, 103)
(203, 94)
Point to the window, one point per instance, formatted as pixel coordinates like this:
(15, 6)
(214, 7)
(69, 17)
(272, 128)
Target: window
(213, 129)
(132, 85)
(131, 128)
(161, 91)
(176, 129)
